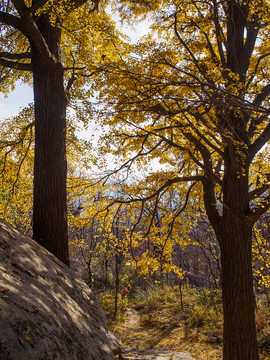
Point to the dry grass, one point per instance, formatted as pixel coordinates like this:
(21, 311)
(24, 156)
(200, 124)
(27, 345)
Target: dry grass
(156, 320)
(263, 327)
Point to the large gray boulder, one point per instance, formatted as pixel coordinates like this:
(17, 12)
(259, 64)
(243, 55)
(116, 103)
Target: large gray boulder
(46, 311)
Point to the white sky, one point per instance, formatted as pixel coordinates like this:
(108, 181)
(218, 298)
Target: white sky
(16, 101)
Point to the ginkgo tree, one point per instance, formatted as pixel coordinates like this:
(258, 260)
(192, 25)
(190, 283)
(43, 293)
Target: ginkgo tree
(54, 45)
(195, 95)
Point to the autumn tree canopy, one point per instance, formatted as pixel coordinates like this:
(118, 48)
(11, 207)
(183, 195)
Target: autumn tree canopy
(195, 96)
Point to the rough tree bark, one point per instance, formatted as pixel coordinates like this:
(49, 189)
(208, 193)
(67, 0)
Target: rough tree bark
(50, 207)
(234, 234)
(237, 288)
(50, 167)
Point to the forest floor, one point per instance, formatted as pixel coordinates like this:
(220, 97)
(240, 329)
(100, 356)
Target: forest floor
(173, 337)
(157, 320)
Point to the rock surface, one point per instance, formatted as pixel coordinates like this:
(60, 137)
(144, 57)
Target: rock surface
(46, 311)
(115, 343)
(140, 354)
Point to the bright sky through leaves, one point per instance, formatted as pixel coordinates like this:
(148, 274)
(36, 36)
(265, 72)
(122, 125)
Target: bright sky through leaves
(23, 94)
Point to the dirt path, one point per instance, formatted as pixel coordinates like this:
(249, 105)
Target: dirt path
(130, 330)
(134, 334)
(132, 319)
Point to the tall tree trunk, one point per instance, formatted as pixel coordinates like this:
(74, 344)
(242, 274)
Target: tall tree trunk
(50, 166)
(234, 233)
(235, 239)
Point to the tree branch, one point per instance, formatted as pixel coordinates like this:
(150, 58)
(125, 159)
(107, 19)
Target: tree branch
(33, 31)
(167, 184)
(7, 55)
(179, 212)
(255, 123)
(15, 65)
(259, 143)
(260, 209)
(209, 180)
(258, 192)
(13, 21)
(202, 136)
(194, 60)
(219, 35)
(252, 33)
(207, 165)
(154, 212)
(210, 202)
(140, 153)
(264, 93)
(21, 137)
(256, 68)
